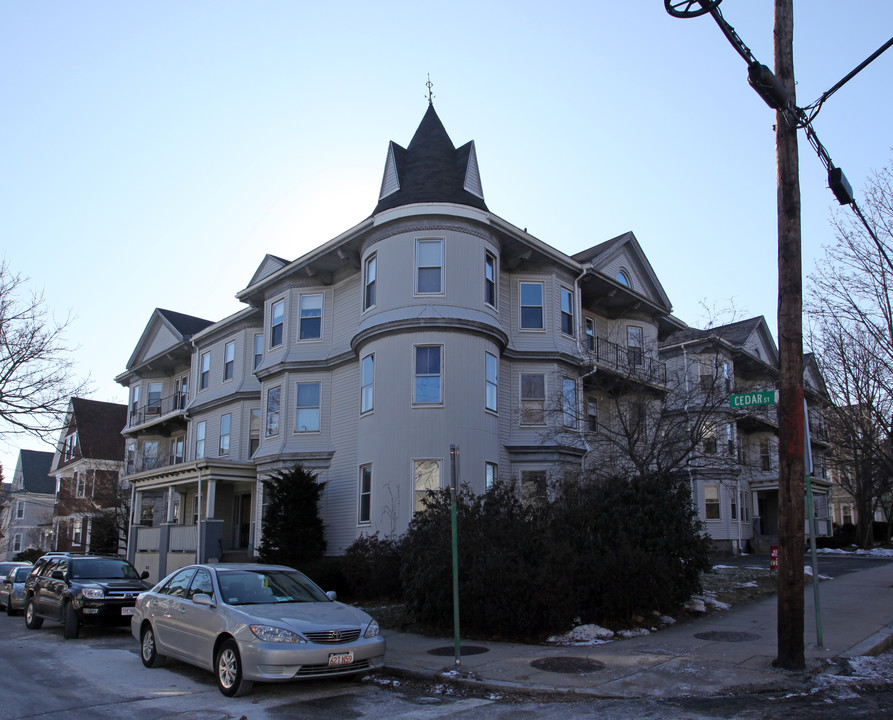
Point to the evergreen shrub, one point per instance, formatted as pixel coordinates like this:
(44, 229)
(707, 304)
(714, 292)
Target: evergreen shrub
(292, 530)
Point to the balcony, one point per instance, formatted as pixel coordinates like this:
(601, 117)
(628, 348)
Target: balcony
(147, 463)
(157, 408)
(630, 362)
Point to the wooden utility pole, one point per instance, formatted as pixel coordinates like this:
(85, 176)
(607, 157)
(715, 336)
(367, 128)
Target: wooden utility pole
(791, 435)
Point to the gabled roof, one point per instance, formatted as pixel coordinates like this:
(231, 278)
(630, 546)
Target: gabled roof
(600, 256)
(166, 330)
(99, 426)
(430, 170)
(744, 335)
(269, 265)
(35, 466)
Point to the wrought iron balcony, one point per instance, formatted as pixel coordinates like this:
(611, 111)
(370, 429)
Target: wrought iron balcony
(632, 362)
(157, 408)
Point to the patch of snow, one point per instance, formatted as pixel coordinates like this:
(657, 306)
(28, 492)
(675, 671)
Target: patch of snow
(871, 552)
(583, 635)
(696, 605)
(635, 632)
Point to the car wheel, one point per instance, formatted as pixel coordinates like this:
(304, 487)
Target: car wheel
(70, 619)
(32, 622)
(148, 651)
(229, 670)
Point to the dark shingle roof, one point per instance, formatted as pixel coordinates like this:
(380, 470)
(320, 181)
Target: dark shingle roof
(735, 333)
(431, 169)
(186, 325)
(99, 426)
(36, 472)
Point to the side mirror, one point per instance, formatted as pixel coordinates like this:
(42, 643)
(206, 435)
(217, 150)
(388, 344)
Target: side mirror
(57, 575)
(203, 599)
(332, 595)
(144, 574)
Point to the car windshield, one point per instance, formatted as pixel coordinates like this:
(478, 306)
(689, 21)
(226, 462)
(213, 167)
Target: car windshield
(102, 569)
(257, 587)
(21, 574)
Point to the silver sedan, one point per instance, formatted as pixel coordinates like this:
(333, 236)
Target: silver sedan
(251, 622)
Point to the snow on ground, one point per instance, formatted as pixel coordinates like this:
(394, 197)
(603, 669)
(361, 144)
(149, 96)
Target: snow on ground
(872, 552)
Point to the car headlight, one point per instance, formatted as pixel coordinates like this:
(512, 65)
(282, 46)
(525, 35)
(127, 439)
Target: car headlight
(268, 633)
(94, 593)
(372, 631)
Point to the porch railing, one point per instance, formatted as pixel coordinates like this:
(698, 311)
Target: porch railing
(157, 407)
(184, 538)
(631, 361)
(148, 539)
(140, 463)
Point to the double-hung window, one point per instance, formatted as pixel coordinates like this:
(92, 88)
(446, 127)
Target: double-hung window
(533, 399)
(229, 360)
(369, 277)
(491, 369)
(567, 312)
(277, 322)
(225, 427)
(569, 402)
(204, 376)
(200, 440)
(590, 334)
(531, 305)
(429, 266)
(134, 399)
(20, 509)
(253, 431)
(258, 350)
(364, 505)
(490, 280)
(177, 449)
(635, 345)
(311, 317)
(307, 412)
(273, 411)
(428, 379)
(367, 384)
(427, 477)
(592, 414)
(491, 473)
(711, 502)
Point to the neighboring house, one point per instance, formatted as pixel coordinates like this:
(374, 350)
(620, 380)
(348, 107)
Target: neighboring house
(87, 467)
(27, 522)
(734, 473)
(192, 426)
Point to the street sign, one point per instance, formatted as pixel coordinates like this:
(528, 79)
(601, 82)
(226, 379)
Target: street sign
(759, 397)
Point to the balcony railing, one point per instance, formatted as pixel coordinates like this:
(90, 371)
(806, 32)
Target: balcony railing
(157, 407)
(631, 361)
(142, 463)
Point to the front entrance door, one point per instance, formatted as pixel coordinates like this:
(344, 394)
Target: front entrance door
(241, 521)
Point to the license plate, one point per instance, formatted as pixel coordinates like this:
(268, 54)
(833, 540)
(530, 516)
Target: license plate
(128, 611)
(340, 659)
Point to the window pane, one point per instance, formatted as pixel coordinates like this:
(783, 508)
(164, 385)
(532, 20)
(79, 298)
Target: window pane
(308, 407)
(367, 388)
(365, 508)
(430, 253)
(273, 411)
(427, 379)
(492, 381)
(532, 306)
(311, 317)
(429, 280)
(427, 477)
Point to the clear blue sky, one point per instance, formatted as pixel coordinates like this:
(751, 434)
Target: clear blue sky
(153, 152)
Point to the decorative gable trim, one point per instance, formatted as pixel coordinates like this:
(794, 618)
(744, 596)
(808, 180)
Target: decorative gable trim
(390, 182)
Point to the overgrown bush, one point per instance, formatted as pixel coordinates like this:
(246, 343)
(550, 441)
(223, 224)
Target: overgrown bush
(371, 568)
(594, 551)
(293, 531)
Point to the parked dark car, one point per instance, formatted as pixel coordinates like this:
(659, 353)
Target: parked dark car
(12, 588)
(77, 589)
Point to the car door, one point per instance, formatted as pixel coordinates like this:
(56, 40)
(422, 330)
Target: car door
(6, 588)
(47, 591)
(165, 610)
(200, 624)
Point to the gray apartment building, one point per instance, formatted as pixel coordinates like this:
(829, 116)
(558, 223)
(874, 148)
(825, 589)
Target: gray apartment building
(432, 325)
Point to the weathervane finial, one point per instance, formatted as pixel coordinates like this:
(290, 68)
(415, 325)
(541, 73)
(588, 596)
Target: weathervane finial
(430, 85)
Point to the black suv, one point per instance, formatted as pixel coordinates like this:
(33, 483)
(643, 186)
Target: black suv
(73, 589)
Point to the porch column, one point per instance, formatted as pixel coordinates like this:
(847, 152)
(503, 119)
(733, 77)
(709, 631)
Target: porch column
(211, 499)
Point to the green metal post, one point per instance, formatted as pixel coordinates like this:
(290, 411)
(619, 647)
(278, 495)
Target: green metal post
(454, 488)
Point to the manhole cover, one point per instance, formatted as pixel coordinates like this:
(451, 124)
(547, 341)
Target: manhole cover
(726, 636)
(568, 665)
(463, 650)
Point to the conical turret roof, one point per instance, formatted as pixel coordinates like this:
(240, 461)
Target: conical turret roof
(431, 169)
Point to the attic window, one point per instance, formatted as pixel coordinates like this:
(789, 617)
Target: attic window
(623, 278)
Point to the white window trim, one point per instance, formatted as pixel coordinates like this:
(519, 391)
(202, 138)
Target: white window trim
(439, 403)
(542, 307)
(368, 521)
(417, 267)
(322, 313)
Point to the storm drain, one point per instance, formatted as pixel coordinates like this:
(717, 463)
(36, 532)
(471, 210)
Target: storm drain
(727, 636)
(568, 665)
(463, 650)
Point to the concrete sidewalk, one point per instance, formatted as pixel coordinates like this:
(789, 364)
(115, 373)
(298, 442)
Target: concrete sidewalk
(722, 653)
